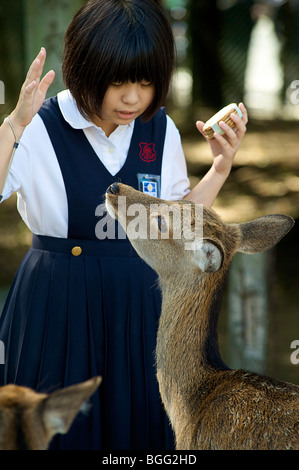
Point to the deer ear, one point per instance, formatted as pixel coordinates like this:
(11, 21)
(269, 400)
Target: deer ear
(264, 233)
(207, 255)
(61, 407)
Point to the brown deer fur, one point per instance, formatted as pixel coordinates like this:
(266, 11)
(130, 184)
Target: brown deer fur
(29, 420)
(209, 405)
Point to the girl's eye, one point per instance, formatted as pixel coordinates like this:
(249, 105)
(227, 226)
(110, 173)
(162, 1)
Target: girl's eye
(142, 83)
(161, 223)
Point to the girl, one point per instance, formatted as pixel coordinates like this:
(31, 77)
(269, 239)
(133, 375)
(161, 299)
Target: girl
(80, 306)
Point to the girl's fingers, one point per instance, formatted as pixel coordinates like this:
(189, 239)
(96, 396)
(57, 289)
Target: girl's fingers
(42, 57)
(31, 72)
(240, 123)
(229, 132)
(223, 141)
(29, 88)
(46, 81)
(244, 112)
(36, 68)
(199, 125)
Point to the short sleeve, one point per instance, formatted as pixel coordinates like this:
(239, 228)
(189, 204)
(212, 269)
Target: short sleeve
(175, 182)
(20, 173)
(13, 177)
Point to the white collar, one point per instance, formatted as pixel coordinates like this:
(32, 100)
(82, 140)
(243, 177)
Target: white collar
(72, 115)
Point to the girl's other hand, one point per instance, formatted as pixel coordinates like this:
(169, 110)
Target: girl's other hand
(33, 93)
(224, 147)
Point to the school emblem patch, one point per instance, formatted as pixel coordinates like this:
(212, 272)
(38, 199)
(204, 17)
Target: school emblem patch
(147, 152)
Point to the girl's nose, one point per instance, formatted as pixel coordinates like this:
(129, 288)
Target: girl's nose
(130, 95)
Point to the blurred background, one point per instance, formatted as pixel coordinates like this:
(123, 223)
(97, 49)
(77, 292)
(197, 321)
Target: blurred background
(227, 51)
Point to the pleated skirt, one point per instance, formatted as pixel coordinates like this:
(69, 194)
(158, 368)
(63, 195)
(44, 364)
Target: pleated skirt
(68, 318)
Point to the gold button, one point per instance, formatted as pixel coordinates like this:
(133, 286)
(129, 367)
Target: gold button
(76, 251)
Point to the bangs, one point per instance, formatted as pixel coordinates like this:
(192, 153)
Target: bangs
(134, 59)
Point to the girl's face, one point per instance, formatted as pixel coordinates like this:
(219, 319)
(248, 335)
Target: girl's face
(123, 103)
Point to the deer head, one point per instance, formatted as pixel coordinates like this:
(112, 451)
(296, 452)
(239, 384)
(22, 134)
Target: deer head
(182, 237)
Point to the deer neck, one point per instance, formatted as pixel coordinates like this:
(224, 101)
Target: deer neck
(187, 345)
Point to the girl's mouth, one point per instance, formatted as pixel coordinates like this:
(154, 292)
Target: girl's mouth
(126, 114)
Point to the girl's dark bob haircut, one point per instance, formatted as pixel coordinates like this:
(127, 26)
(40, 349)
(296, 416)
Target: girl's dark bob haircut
(116, 41)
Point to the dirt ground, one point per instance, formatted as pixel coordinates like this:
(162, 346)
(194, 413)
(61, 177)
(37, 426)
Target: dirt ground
(264, 180)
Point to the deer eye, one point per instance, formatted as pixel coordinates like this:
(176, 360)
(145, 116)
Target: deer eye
(161, 223)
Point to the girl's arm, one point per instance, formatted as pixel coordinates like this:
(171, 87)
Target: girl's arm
(32, 95)
(224, 148)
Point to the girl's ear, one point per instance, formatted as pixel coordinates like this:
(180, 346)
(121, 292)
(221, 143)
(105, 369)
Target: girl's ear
(208, 256)
(264, 233)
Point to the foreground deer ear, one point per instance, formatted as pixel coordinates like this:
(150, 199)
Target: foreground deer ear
(207, 256)
(62, 406)
(264, 233)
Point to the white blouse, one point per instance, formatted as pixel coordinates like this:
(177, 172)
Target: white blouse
(36, 176)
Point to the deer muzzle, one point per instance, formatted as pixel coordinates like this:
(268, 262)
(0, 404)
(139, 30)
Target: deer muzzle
(113, 189)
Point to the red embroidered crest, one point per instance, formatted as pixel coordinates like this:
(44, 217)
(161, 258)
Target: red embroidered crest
(147, 152)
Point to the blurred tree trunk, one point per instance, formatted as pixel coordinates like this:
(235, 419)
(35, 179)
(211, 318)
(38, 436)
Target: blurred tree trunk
(11, 52)
(204, 36)
(45, 24)
(219, 34)
(248, 305)
(236, 28)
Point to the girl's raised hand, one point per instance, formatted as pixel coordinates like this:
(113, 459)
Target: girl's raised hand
(33, 93)
(224, 147)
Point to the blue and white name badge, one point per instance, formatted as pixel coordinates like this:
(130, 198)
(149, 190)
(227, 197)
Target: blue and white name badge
(149, 184)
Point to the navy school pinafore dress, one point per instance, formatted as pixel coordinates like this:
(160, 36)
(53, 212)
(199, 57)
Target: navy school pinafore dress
(74, 314)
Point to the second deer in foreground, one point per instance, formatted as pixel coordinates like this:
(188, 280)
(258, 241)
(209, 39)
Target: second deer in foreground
(209, 405)
(29, 420)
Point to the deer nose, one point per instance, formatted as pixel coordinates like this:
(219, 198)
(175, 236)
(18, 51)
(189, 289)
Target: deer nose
(113, 188)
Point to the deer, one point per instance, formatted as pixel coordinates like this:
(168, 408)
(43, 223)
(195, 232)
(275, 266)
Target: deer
(29, 420)
(209, 405)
